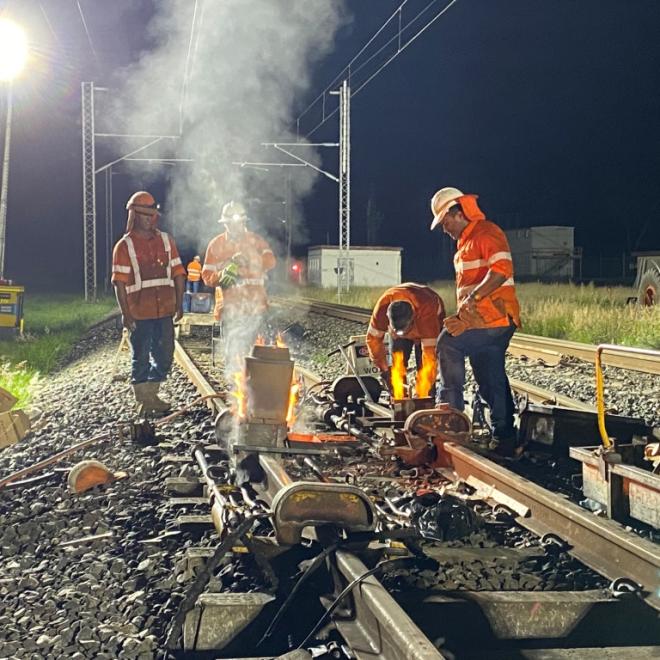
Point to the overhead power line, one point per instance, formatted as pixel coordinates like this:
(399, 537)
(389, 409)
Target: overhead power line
(89, 36)
(355, 67)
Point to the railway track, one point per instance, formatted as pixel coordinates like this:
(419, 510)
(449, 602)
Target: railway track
(531, 346)
(381, 627)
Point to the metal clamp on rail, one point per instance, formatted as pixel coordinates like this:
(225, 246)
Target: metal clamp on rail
(308, 504)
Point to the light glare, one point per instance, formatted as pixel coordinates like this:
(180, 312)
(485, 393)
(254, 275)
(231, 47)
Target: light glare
(13, 49)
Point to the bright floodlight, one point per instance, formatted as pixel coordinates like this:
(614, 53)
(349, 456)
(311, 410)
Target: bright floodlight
(13, 49)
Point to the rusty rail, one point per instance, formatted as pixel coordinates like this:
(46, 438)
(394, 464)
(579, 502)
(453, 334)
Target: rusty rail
(522, 344)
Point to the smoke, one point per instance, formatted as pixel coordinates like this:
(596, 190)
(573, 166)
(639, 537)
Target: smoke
(236, 80)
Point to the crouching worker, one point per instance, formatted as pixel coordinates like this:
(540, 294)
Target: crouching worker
(487, 314)
(412, 314)
(149, 280)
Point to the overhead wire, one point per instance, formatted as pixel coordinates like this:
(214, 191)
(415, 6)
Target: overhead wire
(89, 36)
(192, 45)
(400, 48)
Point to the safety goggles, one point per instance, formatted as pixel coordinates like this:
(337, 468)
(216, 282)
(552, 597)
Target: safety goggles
(146, 209)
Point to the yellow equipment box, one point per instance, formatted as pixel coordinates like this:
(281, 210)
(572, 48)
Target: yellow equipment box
(11, 308)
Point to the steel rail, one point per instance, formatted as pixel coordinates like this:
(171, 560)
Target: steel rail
(379, 629)
(601, 544)
(532, 346)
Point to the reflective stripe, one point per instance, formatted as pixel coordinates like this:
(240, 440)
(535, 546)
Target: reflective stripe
(175, 262)
(249, 282)
(139, 282)
(121, 269)
(210, 267)
(267, 251)
(375, 332)
(430, 341)
(499, 256)
(462, 266)
(464, 290)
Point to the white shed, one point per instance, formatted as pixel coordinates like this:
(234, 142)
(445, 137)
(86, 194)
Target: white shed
(368, 265)
(542, 252)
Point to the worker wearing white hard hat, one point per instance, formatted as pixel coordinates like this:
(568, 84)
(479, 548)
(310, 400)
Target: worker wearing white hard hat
(487, 314)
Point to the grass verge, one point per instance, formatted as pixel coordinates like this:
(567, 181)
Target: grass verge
(53, 324)
(576, 312)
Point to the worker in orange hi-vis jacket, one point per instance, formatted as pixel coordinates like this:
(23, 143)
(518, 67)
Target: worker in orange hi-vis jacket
(236, 264)
(193, 278)
(487, 311)
(148, 277)
(412, 314)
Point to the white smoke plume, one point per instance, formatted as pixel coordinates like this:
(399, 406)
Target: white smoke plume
(242, 75)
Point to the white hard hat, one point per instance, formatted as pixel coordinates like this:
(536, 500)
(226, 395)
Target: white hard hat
(233, 212)
(441, 202)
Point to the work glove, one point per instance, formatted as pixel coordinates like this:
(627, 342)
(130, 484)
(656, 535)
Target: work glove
(386, 378)
(228, 276)
(239, 259)
(455, 326)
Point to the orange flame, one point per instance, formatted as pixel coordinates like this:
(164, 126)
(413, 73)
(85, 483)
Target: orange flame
(279, 341)
(240, 394)
(398, 375)
(260, 341)
(425, 376)
(293, 400)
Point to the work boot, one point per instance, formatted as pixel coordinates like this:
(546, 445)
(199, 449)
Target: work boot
(140, 391)
(146, 397)
(156, 404)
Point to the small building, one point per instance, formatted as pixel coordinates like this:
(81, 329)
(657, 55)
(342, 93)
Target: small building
(367, 265)
(544, 253)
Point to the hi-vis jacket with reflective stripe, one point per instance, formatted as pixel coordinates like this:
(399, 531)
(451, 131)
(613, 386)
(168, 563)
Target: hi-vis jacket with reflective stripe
(429, 313)
(194, 271)
(148, 266)
(248, 296)
(482, 247)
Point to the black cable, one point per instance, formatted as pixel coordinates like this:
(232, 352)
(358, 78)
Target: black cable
(198, 586)
(345, 591)
(309, 571)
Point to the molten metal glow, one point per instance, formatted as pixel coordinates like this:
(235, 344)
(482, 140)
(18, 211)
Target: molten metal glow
(398, 375)
(279, 341)
(293, 400)
(240, 394)
(425, 377)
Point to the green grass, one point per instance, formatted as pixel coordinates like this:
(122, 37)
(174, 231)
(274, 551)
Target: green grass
(52, 325)
(584, 313)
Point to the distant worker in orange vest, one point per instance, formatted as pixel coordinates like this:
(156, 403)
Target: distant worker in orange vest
(193, 278)
(148, 277)
(236, 264)
(412, 314)
(487, 314)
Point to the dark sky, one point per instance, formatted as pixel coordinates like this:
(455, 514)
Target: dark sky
(550, 111)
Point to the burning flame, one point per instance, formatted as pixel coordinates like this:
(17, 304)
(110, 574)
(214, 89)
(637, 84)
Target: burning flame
(260, 341)
(279, 341)
(240, 394)
(425, 376)
(293, 400)
(398, 375)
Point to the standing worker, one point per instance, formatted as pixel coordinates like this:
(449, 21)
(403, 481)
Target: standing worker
(412, 314)
(487, 311)
(148, 277)
(236, 264)
(193, 278)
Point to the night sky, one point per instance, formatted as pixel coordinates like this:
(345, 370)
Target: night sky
(550, 111)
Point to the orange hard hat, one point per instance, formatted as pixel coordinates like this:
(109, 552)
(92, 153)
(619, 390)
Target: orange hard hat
(142, 201)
